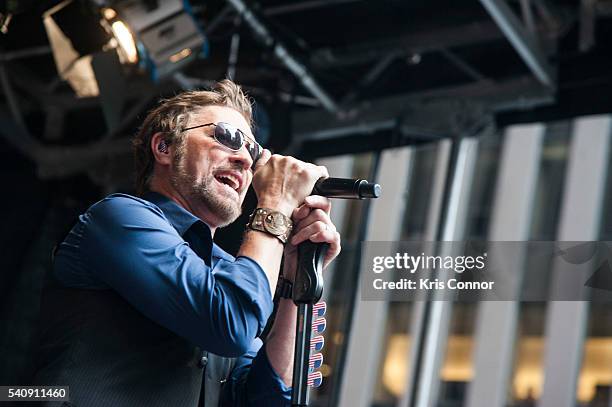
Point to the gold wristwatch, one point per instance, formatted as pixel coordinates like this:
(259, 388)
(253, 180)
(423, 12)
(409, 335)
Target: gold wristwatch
(272, 222)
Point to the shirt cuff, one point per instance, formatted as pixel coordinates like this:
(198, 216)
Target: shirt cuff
(264, 386)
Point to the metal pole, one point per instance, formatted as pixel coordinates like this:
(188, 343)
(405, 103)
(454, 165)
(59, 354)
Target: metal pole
(523, 42)
(284, 56)
(303, 334)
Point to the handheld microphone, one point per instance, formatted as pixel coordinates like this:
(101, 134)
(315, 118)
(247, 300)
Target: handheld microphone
(346, 188)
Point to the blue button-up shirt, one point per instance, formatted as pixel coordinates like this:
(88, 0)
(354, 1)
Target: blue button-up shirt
(161, 259)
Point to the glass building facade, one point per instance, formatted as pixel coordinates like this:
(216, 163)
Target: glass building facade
(538, 182)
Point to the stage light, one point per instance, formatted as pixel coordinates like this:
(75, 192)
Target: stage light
(159, 37)
(126, 44)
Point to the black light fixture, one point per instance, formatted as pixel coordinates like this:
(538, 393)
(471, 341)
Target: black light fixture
(75, 34)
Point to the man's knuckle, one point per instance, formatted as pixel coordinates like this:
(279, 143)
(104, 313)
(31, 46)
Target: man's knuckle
(295, 166)
(320, 226)
(320, 214)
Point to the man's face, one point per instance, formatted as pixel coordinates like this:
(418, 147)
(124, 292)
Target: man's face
(212, 178)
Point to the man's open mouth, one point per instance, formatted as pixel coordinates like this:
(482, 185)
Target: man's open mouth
(228, 179)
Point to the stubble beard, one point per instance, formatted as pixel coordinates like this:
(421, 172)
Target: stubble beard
(225, 208)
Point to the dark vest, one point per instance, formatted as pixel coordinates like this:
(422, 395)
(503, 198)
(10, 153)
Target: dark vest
(112, 355)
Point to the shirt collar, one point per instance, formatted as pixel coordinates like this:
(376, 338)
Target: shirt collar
(180, 218)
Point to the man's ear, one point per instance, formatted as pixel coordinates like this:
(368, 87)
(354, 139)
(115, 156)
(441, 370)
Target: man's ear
(161, 149)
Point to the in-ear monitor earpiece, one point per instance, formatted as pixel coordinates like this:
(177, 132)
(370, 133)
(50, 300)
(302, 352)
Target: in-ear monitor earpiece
(162, 147)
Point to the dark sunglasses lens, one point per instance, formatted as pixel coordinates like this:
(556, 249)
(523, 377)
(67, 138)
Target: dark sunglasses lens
(254, 151)
(228, 136)
(235, 139)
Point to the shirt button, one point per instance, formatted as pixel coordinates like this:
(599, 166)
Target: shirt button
(203, 362)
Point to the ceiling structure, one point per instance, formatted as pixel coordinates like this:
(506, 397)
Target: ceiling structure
(328, 76)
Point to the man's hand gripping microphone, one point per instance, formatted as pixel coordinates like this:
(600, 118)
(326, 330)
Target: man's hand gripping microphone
(308, 285)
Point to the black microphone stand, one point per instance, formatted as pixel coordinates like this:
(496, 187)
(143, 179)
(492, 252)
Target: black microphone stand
(308, 285)
(307, 291)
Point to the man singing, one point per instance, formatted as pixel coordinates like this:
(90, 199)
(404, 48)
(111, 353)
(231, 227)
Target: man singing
(143, 309)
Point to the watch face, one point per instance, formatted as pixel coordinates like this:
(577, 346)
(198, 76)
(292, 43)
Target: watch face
(275, 223)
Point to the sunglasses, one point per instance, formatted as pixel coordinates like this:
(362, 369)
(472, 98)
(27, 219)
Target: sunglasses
(233, 138)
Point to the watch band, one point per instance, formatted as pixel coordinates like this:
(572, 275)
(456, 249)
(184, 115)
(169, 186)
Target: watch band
(272, 222)
(284, 288)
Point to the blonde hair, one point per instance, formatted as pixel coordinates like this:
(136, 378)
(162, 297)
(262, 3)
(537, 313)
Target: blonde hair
(171, 116)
